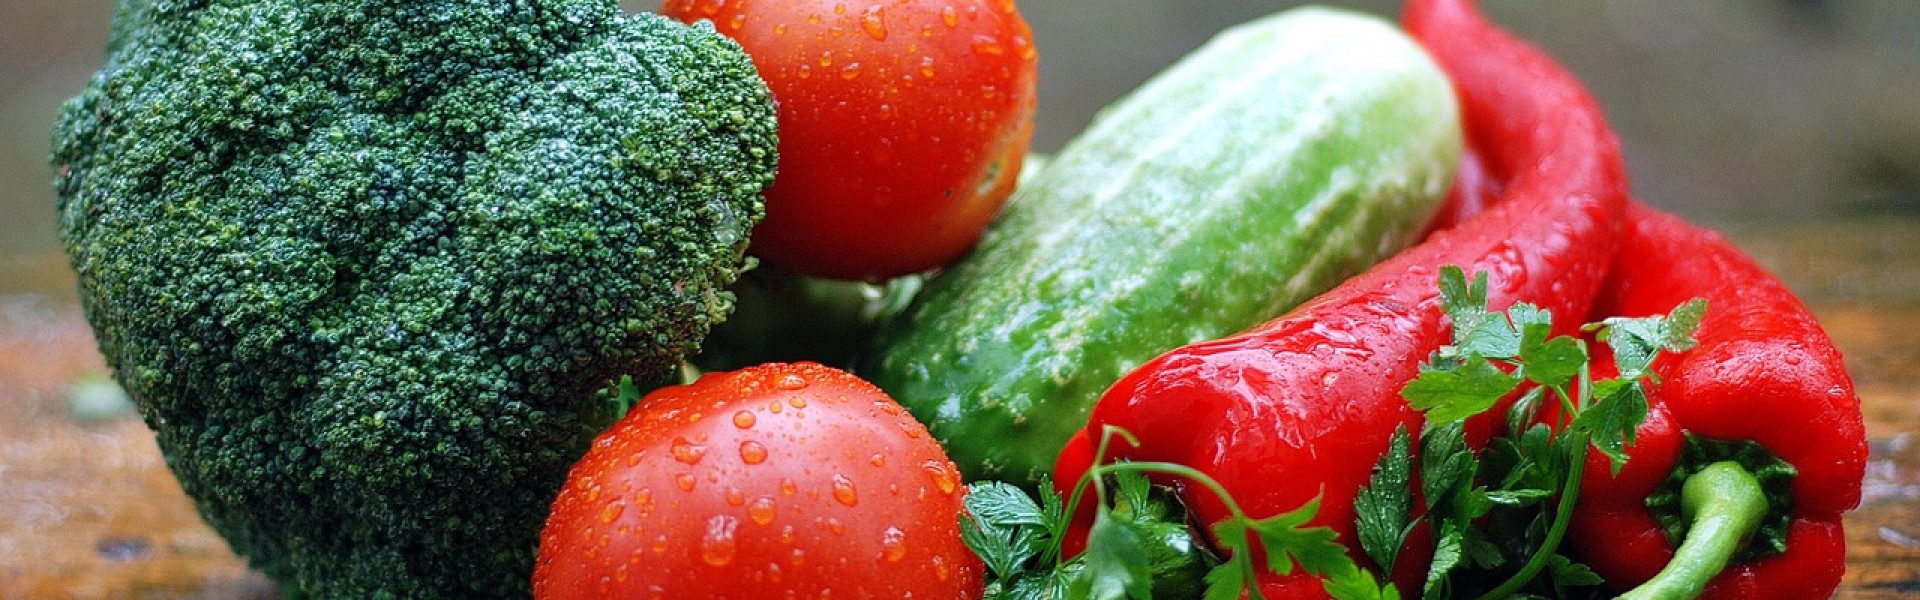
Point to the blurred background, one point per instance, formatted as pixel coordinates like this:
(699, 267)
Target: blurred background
(1731, 112)
(1792, 124)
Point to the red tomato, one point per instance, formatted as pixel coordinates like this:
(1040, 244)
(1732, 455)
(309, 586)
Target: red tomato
(903, 125)
(769, 482)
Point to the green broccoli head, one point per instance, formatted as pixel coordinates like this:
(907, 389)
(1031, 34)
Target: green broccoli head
(365, 264)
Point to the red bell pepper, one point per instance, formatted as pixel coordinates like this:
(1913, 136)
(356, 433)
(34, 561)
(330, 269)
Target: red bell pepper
(1304, 406)
(1763, 371)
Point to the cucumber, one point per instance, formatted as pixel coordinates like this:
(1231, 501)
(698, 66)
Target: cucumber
(1281, 158)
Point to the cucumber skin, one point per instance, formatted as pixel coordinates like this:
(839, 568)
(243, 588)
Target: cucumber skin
(1281, 158)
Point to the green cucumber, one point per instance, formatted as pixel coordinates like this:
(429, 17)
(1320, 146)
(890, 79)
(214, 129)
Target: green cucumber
(1281, 158)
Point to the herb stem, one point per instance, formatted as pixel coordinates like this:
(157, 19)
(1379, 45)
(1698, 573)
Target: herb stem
(1563, 516)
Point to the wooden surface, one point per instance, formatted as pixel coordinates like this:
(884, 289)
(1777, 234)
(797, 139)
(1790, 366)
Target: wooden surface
(88, 509)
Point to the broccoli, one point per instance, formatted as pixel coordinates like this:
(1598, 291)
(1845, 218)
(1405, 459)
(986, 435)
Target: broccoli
(364, 265)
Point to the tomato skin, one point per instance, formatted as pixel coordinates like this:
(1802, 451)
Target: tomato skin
(903, 125)
(773, 481)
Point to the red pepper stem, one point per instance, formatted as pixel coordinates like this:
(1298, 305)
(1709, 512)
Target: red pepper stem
(1725, 504)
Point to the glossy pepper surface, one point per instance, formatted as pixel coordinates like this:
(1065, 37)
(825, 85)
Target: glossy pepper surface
(1304, 405)
(1763, 371)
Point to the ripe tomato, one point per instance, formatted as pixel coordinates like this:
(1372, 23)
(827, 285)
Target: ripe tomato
(903, 125)
(769, 482)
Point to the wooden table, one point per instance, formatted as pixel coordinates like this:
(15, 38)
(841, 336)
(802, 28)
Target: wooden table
(88, 509)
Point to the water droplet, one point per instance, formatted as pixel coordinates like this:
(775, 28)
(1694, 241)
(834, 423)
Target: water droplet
(878, 460)
(780, 29)
(850, 72)
(761, 511)
(744, 419)
(826, 60)
(799, 557)
(874, 22)
(659, 544)
(797, 402)
(834, 525)
(942, 474)
(687, 452)
(751, 452)
(893, 545)
(612, 511)
(684, 481)
(805, 72)
(940, 569)
(734, 497)
(786, 534)
(983, 44)
(843, 490)
(787, 487)
(775, 407)
(795, 382)
(949, 17)
(773, 572)
(717, 546)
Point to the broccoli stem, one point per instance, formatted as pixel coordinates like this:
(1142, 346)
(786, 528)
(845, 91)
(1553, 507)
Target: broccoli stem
(1725, 504)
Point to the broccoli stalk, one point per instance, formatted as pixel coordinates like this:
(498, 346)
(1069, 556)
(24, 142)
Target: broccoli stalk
(364, 265)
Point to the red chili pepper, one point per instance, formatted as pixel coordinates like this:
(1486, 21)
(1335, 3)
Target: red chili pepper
(1304, 406)
(1763, 371)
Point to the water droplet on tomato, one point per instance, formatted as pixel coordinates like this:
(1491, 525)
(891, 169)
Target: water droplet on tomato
(940, 569)
(786, 534)
(787, 487)
(775, 407)
(612, 511)
(744, 419)
(684, 481)
(734, 496)
(717, 547)
(797, 402)
(761, 511)
(795, 382)
(926, 66)
(826, 60)
(986, 45)
(949, 16)
(751, 452)
(659, 544)
(850, 72)
(738, 22)
(799, 557)
(878, 460)
(687, 452)
(893, 544)
(834, 525)
(874, 22)
(942, 474)
(844, 492)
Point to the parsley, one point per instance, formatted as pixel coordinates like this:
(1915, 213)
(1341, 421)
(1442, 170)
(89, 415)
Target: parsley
(1532, 475)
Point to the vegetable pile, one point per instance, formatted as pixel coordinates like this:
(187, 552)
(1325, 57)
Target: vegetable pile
(1328, 309)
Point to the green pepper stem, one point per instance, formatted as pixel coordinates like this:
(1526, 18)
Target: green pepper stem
(1725, 504)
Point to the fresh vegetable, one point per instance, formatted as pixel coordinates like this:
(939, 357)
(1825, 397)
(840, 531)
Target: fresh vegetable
(1140, 546)
(903, 125)
(1499, 517)
(1282, 157)
(774, 481)
(363, 265)
(1299, 409)
(1766, 390)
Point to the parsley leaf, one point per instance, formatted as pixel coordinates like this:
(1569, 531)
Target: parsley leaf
(1384, 506)
(1451, 395)
(1001, 526)
(1614, 418)
(1116, 563)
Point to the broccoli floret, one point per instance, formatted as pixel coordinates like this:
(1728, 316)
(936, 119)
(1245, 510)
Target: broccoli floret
(363, 265)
